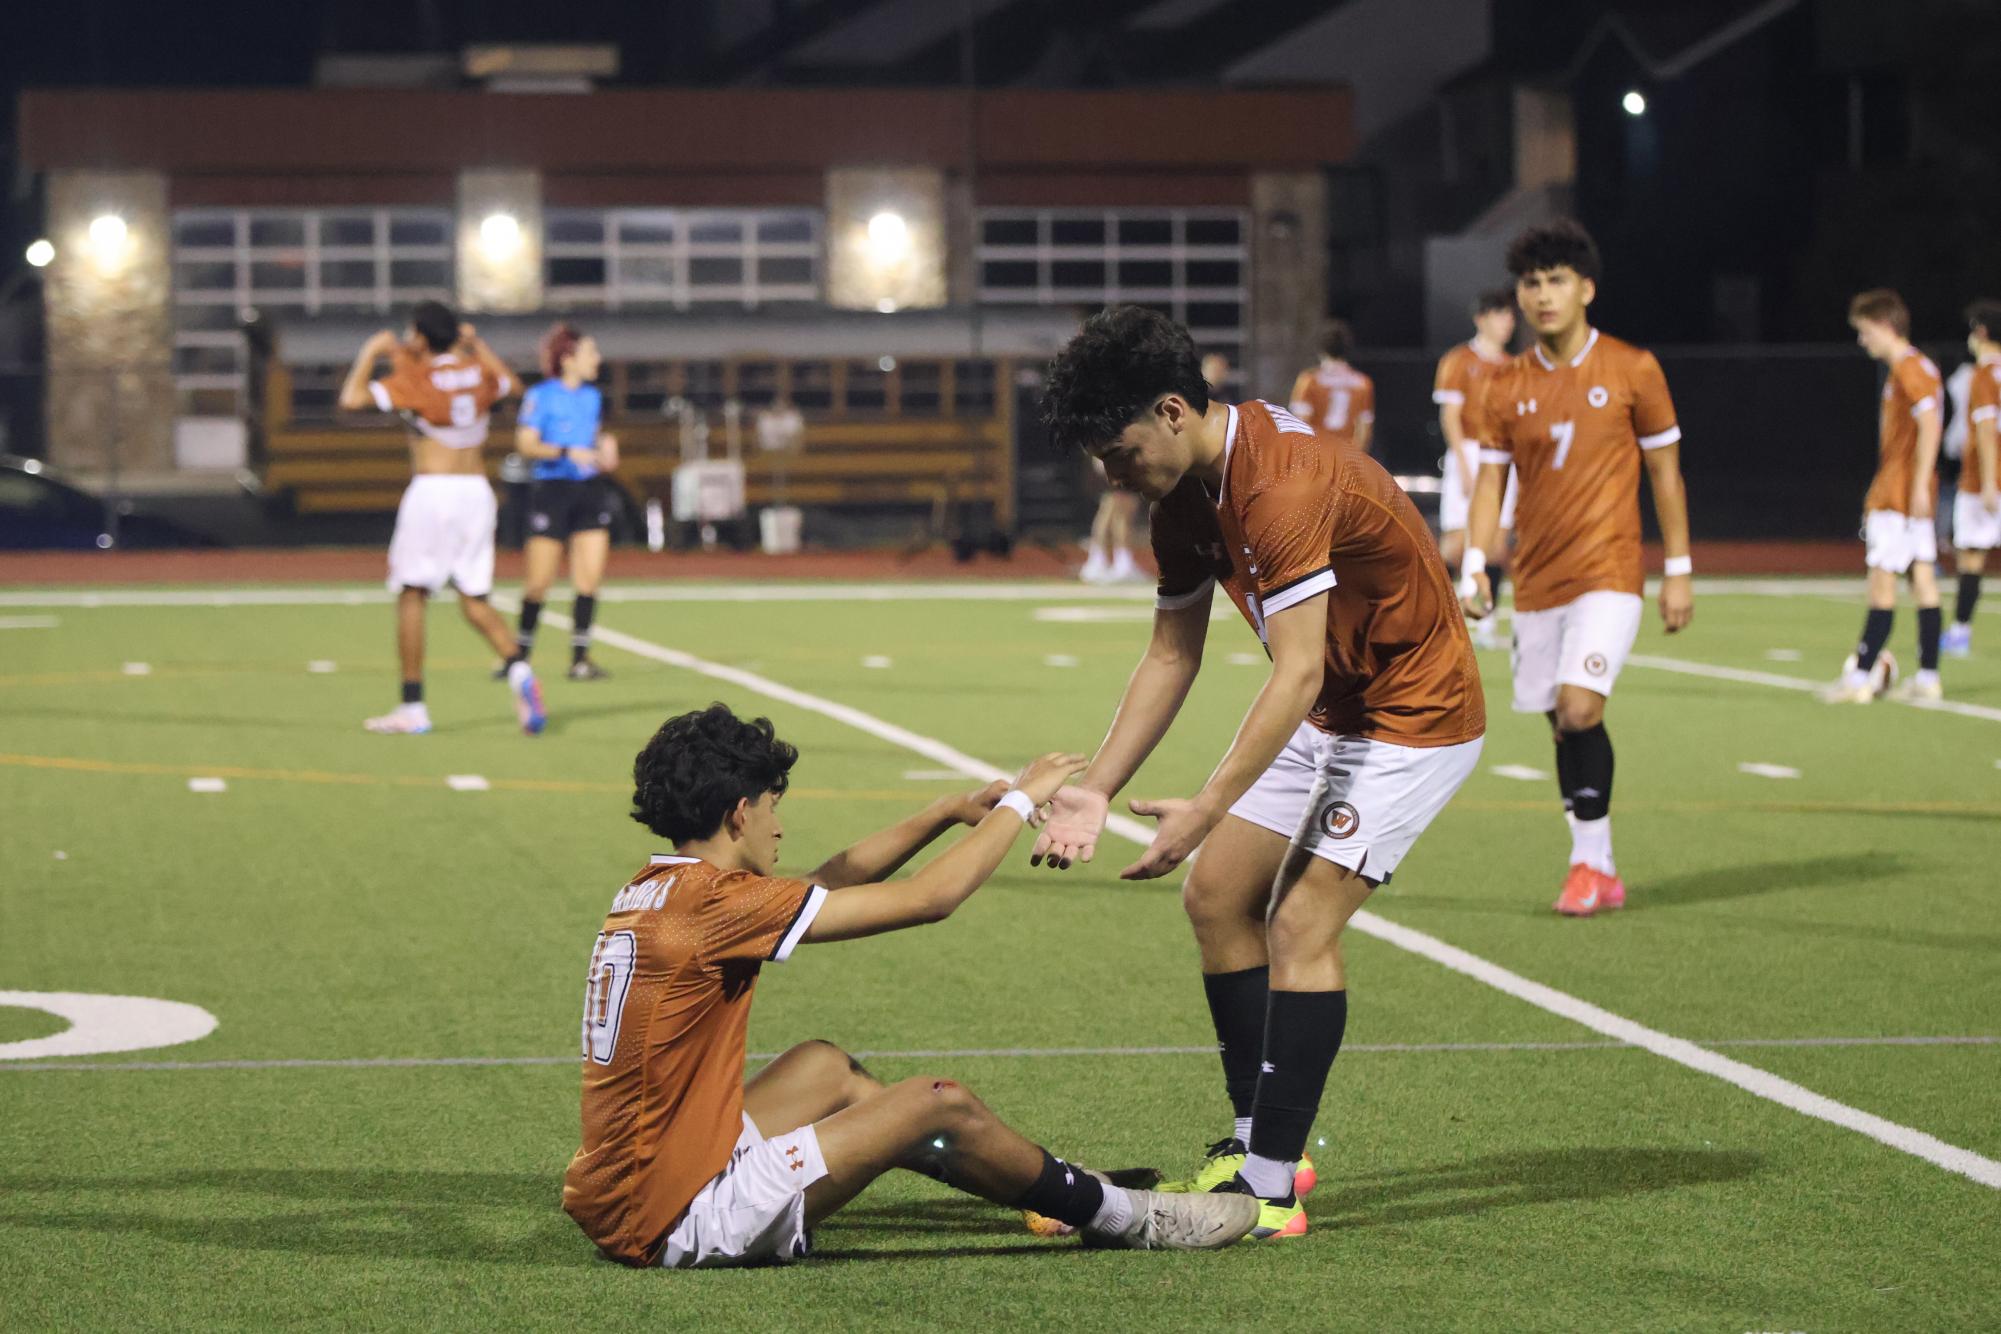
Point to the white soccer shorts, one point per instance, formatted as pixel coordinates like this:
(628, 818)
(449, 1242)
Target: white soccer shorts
(1354, 802)
(1974, 526)
(754, 1211)
(444, 533)
(1585, 643)
(1897, 541)
(1453, 502)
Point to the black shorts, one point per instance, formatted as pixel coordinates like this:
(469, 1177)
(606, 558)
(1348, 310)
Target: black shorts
(560, 509)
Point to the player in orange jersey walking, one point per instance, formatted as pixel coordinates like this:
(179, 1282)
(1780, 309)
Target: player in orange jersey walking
(1333, 397)
(1456, 388)
(1371, 719)
(443, 381)
(1897, 512)
(1976, 512)
(1576, 417)
(685, 1165)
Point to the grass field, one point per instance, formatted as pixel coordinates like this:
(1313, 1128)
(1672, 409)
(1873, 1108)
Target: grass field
(356, 926)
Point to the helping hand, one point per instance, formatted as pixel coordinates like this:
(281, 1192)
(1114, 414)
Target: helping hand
(1044, 777)
(974, 807)
(1183, 826)
(1070, 834)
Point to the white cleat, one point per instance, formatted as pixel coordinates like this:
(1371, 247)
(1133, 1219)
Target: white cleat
(407, 720)
(1180, 1222)
(1917, 690)
(1849, 692)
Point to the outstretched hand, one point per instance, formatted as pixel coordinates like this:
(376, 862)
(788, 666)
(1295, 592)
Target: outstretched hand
(1070, 833)
(1183, 826)
(974, 807)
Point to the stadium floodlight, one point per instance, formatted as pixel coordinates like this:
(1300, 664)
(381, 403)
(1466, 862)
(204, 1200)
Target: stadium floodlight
(1635, 102)
(107, 234)
(41, 252)
(499, 234)
(888, 237)
(887, 305)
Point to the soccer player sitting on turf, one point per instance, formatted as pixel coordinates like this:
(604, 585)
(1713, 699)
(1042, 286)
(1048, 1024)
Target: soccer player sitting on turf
(1897, 513)
(1370, 721)
(683, 1164)
(1976, 513)
(444, 381)
(1575, 417)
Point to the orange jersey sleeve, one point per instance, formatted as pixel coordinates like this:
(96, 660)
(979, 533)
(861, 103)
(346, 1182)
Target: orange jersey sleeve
(1187, 546)
(1653, 409)
(1288, 523)
(749, 918)
(1453, 379)
(1983, 411)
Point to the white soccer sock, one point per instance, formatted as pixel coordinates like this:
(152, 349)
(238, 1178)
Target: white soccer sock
(1115, 1215)
(1242, 1132)
(1122, 562)
(1268, 1178)
(1927, 676)
(1591, 843)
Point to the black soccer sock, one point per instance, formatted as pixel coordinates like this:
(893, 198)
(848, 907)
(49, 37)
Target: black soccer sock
(413, 692)
(1237, 1004)
(1969, 598)
(1496, 576)
(1589, 763)
(1302, 1036)
(1565, 778)
(1929, 622)
(580, 631)
(1875, 634)
(531, 615)
(1063, 1192)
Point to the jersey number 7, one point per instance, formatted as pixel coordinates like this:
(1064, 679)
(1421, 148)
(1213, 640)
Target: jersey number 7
(1563, 433)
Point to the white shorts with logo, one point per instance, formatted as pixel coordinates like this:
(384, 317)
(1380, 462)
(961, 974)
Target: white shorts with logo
(1453, 502)
(1974, 526)
(1897, 541)
(444, 533)
(754, 1212)
(1355, 802)
(1582, 643)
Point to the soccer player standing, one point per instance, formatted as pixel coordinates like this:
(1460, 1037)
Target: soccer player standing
(561, 428)
(443, 380)
(1333, 397)
(1371, 719)
(1456, 389)
(1897, 513)
(683, 1164)
(1576, 417)
(1976, 512)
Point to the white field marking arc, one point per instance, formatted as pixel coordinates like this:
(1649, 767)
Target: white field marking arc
(103, 1023)
(972, 1053)
(1771, 1087)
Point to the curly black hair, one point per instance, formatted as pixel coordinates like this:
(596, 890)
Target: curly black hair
(1113, 372)
(437, 324)
(1494, 298)
(1985, 315)
(1563, 242)
(700, 765)
(1337, 339)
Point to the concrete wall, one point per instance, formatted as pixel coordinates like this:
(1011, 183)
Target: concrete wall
(111, 401)
(1288, 278)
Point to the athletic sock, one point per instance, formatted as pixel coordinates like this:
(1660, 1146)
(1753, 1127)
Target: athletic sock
(1875, 634)
(1115, 1214)
(1565, 778)
(1591, 844)
(1584, 759)
(1969, 597)
(413, 692)
(531, 615)
(1303, 1032)
(1240, 1131)
(1496, 575)
(1237, 1005)
(1063, 1192)
(1928, 633)
(580, 631)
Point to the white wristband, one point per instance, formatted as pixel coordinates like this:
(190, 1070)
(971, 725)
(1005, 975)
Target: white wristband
(1473, 562)
(1674, 565)
(1019, 802)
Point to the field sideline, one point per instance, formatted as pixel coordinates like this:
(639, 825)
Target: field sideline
(1766, 1096)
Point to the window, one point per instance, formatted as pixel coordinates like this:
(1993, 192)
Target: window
(1190, 263)
(615, 259)
(229, 263)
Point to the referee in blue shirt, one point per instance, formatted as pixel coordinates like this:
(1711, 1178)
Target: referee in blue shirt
(561, 429)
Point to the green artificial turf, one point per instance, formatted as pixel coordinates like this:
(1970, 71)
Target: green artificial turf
(340, 902)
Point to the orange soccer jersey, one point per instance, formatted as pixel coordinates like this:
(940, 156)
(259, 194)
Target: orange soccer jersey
(1335, 399)
(1983, 405)
(1912, 388)
(666, 1006)
(1574, 434)
(1462, 375)
(1296, 518)
(444, 396)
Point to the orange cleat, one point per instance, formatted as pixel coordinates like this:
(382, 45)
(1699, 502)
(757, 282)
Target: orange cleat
(1612, 891)
(1583, 892)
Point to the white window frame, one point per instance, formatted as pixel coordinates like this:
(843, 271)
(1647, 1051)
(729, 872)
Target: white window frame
(680, 291)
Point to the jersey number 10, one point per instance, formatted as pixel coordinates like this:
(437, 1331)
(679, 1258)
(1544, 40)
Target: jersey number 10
(604, 992)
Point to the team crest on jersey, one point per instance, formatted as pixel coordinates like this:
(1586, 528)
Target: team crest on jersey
(1341, 820)
(1595, 664)
(1598, 397)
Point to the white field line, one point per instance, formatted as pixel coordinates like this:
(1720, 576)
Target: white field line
(1777, 682)
(28, 622)
(1679, 1050)
(965, 1053)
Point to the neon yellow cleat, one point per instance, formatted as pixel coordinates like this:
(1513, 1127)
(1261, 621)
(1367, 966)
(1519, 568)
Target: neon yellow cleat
(1279, 1221)
(1222, 1160)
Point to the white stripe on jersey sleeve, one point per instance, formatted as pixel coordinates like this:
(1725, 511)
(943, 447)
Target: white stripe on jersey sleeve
(807, 913)
(1923, 405)
(1447, 396)
(1296, 592)
(1661, 439)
